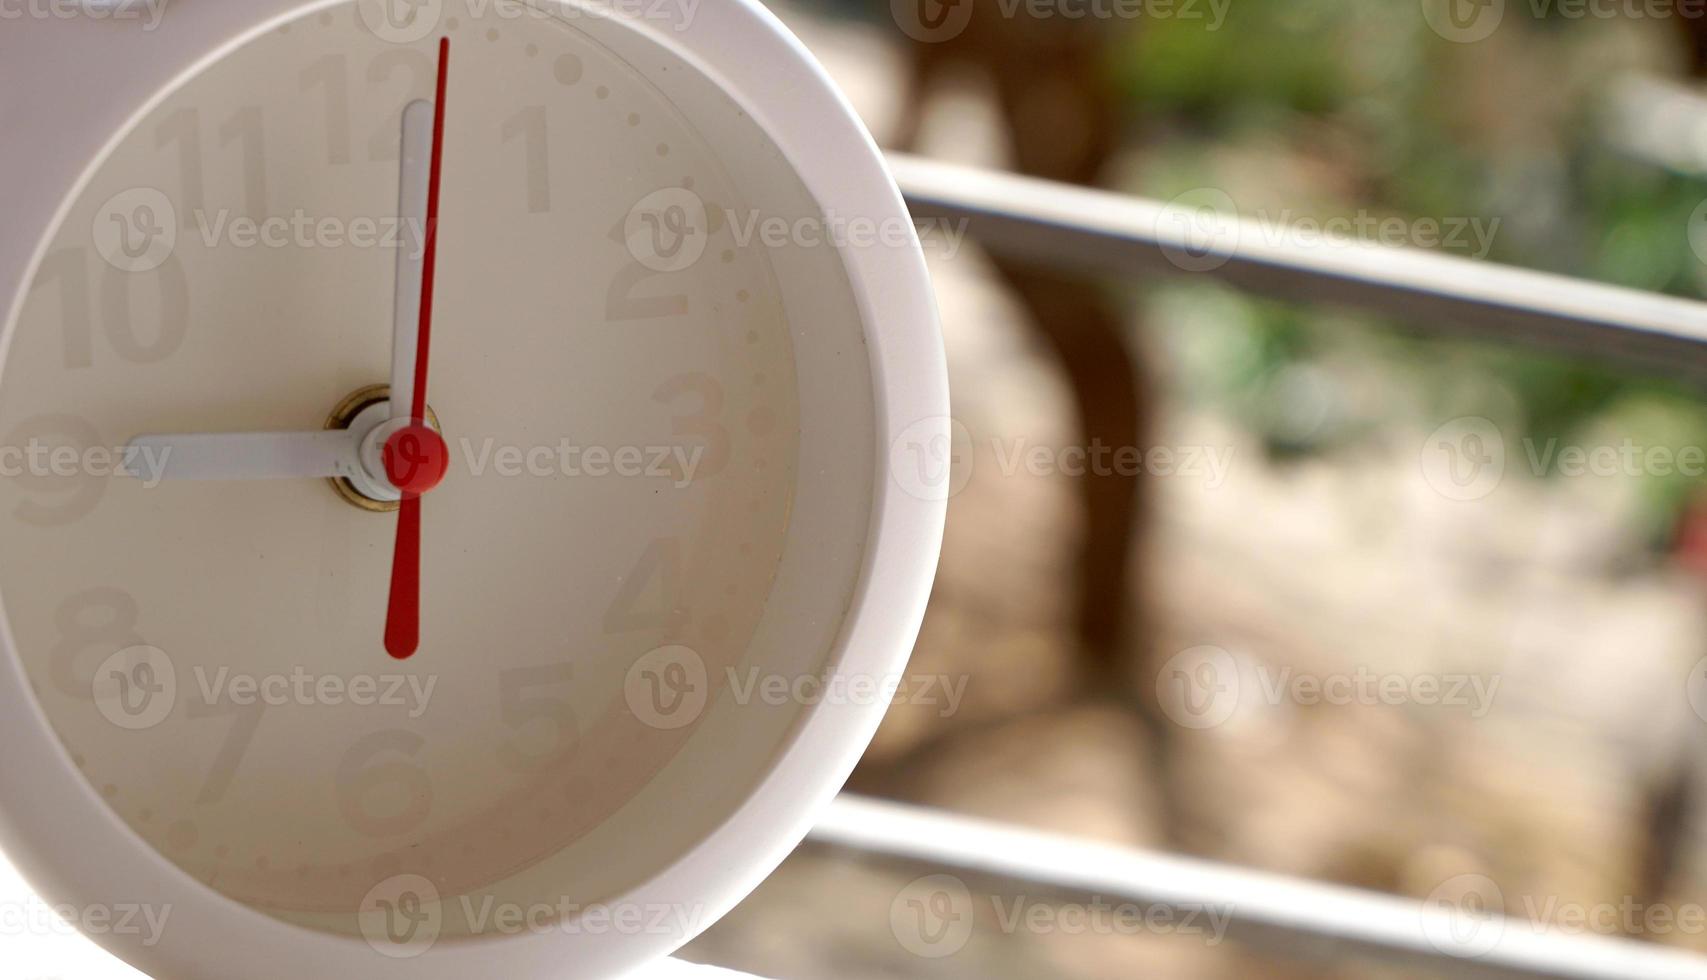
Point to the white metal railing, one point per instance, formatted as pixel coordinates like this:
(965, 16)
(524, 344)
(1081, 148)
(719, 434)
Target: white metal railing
(1289, 918)
(1103, 233)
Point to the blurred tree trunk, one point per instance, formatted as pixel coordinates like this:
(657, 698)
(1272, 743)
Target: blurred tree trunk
(1695, 35)
(1065, 123)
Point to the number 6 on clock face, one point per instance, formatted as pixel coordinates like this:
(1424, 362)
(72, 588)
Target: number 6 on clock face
(369, 669)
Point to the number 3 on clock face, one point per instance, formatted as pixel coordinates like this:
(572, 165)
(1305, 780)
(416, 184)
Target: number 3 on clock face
(353, 663)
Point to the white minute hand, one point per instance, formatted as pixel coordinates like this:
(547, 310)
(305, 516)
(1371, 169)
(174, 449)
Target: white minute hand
(413, 188)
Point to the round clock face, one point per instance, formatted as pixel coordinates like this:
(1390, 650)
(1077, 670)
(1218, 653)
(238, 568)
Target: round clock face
(660, 434)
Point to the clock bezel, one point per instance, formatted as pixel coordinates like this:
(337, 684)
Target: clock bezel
(63, 836)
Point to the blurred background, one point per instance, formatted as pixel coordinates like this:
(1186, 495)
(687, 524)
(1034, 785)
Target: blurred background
(1308, 626)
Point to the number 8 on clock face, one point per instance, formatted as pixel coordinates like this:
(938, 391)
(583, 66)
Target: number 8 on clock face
(425, 428)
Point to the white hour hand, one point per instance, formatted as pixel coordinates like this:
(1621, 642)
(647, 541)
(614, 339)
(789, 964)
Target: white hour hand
(243, 455)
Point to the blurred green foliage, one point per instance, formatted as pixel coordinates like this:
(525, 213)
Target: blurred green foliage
(1325, 107)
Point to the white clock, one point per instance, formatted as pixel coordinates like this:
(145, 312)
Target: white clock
(469, 474)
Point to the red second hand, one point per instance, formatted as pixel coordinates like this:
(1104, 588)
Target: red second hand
(406, 448)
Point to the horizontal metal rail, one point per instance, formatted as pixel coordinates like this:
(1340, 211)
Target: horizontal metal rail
(1287, 917)
(1101, 233)
(1115, 234)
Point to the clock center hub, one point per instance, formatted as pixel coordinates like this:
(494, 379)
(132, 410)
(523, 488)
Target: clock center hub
(396, 456)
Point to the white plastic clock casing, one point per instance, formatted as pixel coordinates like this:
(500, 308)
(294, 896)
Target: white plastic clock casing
(70, 87)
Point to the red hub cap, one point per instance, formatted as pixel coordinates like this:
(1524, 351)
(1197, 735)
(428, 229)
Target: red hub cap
(416, 459)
